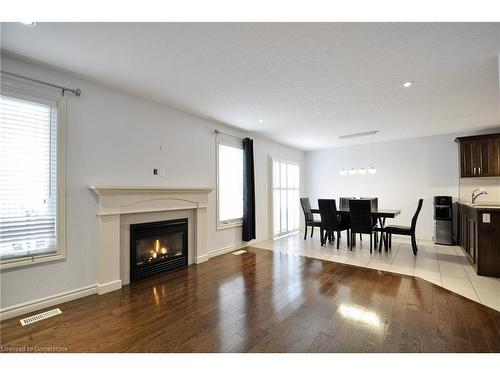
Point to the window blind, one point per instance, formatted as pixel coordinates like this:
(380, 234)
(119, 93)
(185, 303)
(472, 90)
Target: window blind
(28, 174)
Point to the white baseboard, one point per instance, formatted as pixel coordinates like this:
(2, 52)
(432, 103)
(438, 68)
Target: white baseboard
(109, 287)
(234, 247)
(27, 307)
(201, 259)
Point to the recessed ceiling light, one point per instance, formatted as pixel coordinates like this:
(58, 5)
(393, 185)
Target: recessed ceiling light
(261, 120)
(29, 23)
(408, 84)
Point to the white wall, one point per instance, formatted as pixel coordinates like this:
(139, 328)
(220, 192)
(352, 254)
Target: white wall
(406, 171)
(114, 139)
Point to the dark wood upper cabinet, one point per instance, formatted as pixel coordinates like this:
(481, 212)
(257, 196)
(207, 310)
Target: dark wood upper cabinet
(466, 158)
(484, 157)
(479, 155)
(496, 154)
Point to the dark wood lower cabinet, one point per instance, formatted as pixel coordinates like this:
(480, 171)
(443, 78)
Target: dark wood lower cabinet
(468, 230)
(479, 237)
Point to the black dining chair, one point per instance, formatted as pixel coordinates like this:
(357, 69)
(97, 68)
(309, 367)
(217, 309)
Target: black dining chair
(374, 206)
(405, 231)
(330, 222)
(373, 202)
(308, 216)
(344, 202)
(344, 205)
(361, 219)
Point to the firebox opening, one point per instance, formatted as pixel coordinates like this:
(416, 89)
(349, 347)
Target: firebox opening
(157, 247)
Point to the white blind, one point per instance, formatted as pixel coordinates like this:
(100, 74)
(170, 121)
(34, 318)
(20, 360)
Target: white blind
(28, 167)
(285, 197)
(230, 187)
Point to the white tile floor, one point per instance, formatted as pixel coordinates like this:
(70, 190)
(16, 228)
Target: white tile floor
(445, 266)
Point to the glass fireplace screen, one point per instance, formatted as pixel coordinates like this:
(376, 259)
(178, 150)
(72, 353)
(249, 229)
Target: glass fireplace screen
(159, 248)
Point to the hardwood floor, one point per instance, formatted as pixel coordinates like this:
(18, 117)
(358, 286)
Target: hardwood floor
(263, 301)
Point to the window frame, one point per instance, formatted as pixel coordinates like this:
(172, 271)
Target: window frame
(271, 193)
(30, 92)
(231, 142)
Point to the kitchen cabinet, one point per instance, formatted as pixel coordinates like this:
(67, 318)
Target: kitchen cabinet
(496, 154)
(466, 159)
(479, 155)
(468, 232)
(479, 237)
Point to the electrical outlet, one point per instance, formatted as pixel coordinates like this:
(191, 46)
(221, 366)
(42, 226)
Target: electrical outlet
(486, 218)
(162, 172)
(155, 171)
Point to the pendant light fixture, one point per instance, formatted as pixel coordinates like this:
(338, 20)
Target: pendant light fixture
(362, 169)
(343, 171)
(352, 170)
(372, 169)
(360, 155)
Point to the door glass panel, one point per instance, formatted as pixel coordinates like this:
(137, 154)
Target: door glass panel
(285, 180)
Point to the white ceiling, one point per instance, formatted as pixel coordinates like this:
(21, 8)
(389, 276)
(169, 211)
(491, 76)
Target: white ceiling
(309, 82)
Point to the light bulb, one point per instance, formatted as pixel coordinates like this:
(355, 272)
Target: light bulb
(352, 171)
(361, 170)
(343, 172)
(372, 170)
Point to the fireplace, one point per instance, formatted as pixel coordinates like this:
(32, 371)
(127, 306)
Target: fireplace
(158, 247)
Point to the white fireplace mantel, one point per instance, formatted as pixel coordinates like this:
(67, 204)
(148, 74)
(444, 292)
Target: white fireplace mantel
(114, 201)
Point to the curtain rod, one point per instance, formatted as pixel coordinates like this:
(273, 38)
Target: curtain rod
(227, 135)
(76, 92)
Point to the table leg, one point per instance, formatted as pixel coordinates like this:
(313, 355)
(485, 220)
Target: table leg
(386, 239)
(383, 238)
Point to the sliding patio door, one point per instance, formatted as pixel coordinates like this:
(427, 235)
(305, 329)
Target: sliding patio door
(285, 197)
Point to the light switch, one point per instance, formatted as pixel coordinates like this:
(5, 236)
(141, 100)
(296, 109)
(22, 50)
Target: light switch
(162, 172)
(486, 218)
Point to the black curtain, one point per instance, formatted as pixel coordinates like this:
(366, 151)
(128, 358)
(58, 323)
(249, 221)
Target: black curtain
(248, 191)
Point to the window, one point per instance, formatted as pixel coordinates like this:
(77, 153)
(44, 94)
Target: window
(285, 197)
(229, 182)
(31, 192)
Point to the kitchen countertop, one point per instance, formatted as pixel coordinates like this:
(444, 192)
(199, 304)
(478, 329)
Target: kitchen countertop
(489, 207)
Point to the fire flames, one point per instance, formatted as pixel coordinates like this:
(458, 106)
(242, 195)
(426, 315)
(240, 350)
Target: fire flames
(157, 251)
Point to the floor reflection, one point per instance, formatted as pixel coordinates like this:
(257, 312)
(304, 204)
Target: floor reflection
(156, 297)
(359, 314)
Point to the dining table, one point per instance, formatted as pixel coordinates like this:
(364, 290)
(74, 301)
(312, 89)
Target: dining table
(379, 214)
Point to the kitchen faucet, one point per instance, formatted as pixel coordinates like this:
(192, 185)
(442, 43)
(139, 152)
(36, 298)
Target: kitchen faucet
(476, 193)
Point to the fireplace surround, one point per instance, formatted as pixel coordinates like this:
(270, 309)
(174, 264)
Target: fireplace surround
(118, 205)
